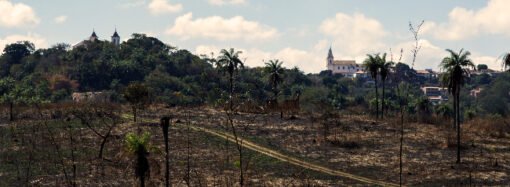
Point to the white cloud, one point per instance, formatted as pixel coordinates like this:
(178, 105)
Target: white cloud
(60, 19)
(492, 62)
(306, 61)
(38, 41)
(226, 2)
(310, 62)
(16, 15)
(354, 34)
(163, 6)
(219, 28)
(429, 56)
(133, 4)
(464, 23)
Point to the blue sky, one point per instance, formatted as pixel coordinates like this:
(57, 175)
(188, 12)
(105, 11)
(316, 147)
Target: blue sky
(298, 32)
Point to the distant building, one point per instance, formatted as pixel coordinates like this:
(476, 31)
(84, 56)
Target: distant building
(427, 74)
(361, 74)
(435, 95)
(348, 68)
(93, 37)
(115, 38)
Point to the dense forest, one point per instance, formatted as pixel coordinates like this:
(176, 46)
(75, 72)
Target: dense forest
(178, 77)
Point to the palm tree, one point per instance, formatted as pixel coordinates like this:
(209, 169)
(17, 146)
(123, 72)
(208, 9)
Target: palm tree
(455, 71)
(384, 71)
(422, 108)
(402, 92)
(275, 70)
(371, 64)
(444, 111)
(506, 62)
(138, 146)
(229, 62)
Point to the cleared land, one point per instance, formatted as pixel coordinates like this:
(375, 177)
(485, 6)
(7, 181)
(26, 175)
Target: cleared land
(325, 146)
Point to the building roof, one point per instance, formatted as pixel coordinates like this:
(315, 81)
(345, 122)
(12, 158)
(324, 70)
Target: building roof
(115, 34)
(93, 34)
(330, 53)
(345, 62)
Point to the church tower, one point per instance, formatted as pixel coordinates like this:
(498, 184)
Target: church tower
(93, 37)
(116, 38)
(330, 57)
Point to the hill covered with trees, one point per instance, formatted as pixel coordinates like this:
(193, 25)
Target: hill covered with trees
(178, 77)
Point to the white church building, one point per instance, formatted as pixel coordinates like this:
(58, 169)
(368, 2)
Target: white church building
(348, 68)
(93, 37)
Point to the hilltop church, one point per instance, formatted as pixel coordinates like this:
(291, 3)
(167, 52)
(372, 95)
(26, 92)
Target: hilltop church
(348, 68)
(93, 37)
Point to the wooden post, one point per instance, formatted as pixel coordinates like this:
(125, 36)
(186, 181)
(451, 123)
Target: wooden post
(165, 123)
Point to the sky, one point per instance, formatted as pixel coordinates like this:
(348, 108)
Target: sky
(297, 32)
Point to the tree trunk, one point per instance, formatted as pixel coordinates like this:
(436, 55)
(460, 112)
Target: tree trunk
(458, 126)
(401, 139)
(376, 100)
(134, 114)
(454, 111)
(231, 94)
(241, 178)
(11, 115)
(103, 143)
(165, 123)
(142, 181)
(382, 101)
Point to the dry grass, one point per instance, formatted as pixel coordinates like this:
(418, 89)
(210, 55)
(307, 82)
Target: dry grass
(354, 143)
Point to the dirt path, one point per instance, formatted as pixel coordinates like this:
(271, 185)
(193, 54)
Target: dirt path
(250, 145)
(274, 154)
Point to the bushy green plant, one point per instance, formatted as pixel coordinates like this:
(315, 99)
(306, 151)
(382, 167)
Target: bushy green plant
(138, 146)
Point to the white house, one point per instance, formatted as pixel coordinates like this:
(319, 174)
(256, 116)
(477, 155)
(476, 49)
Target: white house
(348, 68)
(435, 94)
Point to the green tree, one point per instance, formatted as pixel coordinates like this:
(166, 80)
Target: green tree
(25, 91)
(506, 62)
(7, 86)
(138, 146)
(455, 72)
(137, 94)
(444, 111)
(372, 64)
(384, 71)
(275, 71)
(422, 107)
(480, 67)
(13, 55)
(230, 63)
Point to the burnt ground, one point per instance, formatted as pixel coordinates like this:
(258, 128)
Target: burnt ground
(30, 154)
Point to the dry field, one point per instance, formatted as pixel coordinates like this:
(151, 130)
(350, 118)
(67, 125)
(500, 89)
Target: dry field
(39, 151)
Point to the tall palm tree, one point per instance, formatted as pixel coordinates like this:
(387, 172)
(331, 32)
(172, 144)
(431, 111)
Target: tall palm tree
(371, 64)
(402, 92)
(229, 62)
(455, 67)
(275, 70)
(384, 71)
